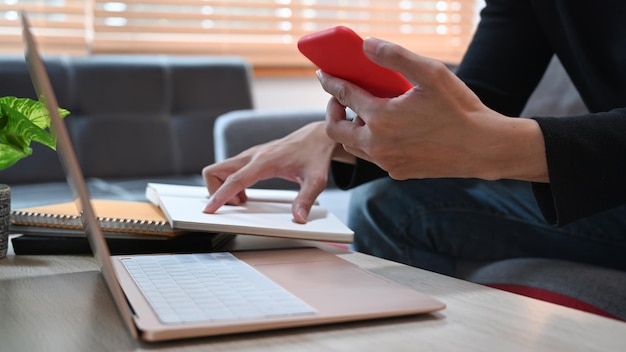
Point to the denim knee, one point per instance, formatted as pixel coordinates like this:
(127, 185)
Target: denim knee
(428, 223)
(380, 213)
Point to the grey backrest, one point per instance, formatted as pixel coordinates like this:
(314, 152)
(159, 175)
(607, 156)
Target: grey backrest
(132, 116)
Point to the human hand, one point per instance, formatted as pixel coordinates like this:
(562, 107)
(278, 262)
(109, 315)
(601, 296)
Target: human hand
(439, 128)
(302, 157)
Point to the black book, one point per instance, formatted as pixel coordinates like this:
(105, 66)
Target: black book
(29, 244)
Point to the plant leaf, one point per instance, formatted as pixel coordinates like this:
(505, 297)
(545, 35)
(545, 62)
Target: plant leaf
(23, 120)
(3, 119)
(34, 110)
(10, 155)
(20, 131)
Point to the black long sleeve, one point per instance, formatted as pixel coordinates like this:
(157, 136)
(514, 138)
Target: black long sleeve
(586, 163)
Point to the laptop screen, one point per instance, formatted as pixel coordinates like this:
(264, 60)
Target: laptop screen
(73, 173)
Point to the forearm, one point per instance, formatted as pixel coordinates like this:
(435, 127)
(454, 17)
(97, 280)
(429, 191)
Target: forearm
(342, 156)
(511, 148)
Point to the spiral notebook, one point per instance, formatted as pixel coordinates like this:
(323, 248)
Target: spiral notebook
(118, 219)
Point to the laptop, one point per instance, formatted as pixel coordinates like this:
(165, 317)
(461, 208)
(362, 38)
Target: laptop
(266, 289)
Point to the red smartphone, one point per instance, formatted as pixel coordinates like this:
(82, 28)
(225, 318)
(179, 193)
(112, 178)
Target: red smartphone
(339, 52)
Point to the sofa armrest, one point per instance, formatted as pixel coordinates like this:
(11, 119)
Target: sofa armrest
(239, 130)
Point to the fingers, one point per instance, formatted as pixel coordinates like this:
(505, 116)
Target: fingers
(310, 189)
(417, 68)
(424, 71)
(227, 185)
(346, 93)
(231, 190)
(337, 127)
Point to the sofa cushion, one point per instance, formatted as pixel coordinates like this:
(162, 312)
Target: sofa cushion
(585, 287)
(125, 146)
(108, 85)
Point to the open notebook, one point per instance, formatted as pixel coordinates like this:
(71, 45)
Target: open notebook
(266, 213)
(205, 293)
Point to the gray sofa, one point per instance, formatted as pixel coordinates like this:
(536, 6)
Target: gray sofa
(590, 288)
(134, 119)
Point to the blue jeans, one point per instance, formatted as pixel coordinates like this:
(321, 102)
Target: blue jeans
(435, 224)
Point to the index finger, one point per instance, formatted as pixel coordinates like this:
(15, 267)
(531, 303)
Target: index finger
(415, 67)
(231, 186)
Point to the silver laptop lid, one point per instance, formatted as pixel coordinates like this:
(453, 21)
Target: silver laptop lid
(73, 173)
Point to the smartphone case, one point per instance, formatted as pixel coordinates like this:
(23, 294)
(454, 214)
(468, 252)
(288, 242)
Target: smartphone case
(339, 52)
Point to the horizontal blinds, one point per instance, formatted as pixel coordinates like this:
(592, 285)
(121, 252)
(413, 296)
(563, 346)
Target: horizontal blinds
(266, 31)
(59, 25)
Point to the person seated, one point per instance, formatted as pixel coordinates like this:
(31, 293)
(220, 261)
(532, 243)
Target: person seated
(446, 171)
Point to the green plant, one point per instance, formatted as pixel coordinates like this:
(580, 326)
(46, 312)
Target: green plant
(23, 120)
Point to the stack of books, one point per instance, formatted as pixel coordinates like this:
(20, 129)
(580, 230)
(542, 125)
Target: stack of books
(171, 220)
(130, 227)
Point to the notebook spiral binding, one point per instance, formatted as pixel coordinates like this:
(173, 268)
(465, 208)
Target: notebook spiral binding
(29, 218)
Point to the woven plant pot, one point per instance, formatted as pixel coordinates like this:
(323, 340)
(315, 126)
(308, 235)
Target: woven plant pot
(5, 217)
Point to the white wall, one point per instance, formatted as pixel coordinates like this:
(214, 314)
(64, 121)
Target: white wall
(288, 93)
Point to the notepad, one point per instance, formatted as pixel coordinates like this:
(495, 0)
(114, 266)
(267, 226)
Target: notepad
(116, 217)
(266, 213)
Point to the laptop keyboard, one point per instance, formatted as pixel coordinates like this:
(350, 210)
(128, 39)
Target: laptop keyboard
(209, 287)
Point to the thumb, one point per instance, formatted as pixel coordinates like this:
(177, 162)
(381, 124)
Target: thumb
(419, 69)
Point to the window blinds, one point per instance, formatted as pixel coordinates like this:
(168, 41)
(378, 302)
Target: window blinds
(59, 25)
(264, 31)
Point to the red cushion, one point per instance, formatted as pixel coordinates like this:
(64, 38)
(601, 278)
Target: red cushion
(553, 297)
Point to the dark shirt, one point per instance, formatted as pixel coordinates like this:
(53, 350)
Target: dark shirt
(509, 53)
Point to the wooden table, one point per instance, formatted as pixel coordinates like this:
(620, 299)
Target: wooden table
(60, 303)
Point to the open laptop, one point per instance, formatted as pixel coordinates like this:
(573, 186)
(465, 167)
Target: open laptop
(300, 287)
